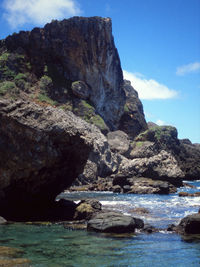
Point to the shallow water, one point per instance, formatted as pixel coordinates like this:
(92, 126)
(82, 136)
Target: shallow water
(53, 246)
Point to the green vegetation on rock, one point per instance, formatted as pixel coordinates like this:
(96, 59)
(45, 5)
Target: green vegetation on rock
(126, 109)
(157, 134)
(98, 121)
(7, 87)
(46, 99)
(45, 82)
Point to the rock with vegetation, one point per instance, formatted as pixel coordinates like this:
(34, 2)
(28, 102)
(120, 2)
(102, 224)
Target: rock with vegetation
(132, 121)
(162, 166)
(86, 209)
(65, 61)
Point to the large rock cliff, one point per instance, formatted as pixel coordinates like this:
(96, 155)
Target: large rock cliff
(79, 50)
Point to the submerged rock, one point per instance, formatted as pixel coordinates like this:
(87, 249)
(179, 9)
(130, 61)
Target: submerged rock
(15, 262)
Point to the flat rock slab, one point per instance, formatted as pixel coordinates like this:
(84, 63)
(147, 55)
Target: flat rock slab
(112, 222)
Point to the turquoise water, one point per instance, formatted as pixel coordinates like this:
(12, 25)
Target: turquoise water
(52, 246)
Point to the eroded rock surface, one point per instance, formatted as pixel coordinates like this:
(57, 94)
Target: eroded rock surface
(42, 151)
(76, 49)
(132, 121)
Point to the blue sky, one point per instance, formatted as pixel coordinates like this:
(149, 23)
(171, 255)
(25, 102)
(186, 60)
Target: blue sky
(158, 42)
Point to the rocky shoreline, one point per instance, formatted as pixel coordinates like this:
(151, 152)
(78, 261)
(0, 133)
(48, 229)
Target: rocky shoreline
(67, 117)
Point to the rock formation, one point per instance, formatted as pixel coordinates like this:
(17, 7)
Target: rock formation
(42, 151)
(77, 49)
(132, 121)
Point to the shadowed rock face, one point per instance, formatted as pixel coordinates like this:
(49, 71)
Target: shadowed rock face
(132, 121)
(79, 49)
(42, 151)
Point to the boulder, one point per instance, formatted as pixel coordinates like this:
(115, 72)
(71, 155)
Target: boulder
(112, 222)
(162, 166)
(42, 151)
(190, 224)
(86, 209)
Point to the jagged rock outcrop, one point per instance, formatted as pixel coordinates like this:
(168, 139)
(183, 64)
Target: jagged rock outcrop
(77, 49)
(189, 159)
(162, 166)
(42, 151)
(164, 138)
(132, 121)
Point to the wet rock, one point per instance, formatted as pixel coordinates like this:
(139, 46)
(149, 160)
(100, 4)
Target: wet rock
(112, 222)
(139, 210)
(171, 228)
(116, 189)
(186, 194)
(10, 252)
(190, 224)
(83, 211)
(86, 209)
(149, 229)
(15, 262)
(126, 188)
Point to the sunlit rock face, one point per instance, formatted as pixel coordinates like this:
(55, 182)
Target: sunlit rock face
(81, 49)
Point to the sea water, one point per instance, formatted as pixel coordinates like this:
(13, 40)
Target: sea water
(54, 245)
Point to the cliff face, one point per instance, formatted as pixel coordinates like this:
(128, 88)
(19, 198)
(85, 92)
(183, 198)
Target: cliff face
(132, 121)
(77, 49)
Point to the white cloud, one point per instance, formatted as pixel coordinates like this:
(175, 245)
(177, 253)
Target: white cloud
(160, 122)
(185, 69)
(149, 89)
(39, 12)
